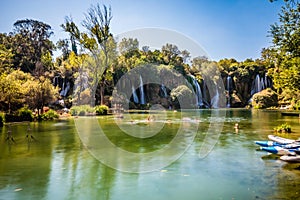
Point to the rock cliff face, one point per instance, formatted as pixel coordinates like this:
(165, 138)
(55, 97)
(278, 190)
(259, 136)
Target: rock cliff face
(265, 99)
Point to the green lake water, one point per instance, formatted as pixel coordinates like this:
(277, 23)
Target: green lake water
(210, 159)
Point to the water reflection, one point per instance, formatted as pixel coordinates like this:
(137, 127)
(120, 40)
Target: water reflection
(58, 166)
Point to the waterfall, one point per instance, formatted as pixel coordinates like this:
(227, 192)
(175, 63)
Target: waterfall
(215, 100)
(135, 97)
(260, 83)
(164, 90)
(256, 85)
(229, 88)
(65, 88)
(142, 95)
(199, 98)
(62, 88)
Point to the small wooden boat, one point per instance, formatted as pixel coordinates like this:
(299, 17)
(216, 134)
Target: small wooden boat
(290, 158)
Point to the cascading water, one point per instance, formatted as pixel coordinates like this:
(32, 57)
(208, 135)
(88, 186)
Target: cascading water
(62, 88)
(142, 95)
(260, 83)
(135, 97)
(215, 100)
(65, 89)
(199, 98)
(164, 90)
(229, 89)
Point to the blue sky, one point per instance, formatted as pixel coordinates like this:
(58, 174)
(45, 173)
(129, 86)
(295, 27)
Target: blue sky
(223, 28)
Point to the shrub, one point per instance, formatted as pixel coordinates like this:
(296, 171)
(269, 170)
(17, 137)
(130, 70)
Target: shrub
(81, 110)
(101, 110)
(81, 113)
(283, 128)
(25, 114)
(49, 115)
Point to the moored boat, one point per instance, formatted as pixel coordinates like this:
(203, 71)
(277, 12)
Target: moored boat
(281, 140)
(290, 158)
(280, 150)
(267, 143)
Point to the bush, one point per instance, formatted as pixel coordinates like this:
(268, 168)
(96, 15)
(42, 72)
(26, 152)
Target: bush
(283, 128)
(101, 110)
(25, 114)
(49, 115)
(81, 110)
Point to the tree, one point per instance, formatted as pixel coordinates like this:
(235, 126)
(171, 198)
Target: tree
(283, 57)
(12, 90)
(30, 41)
(40, 92)
(128, 46)
(170, 53)
(63, 45)
(286, 35)
(6, 54)
(98, 41)
(185, 56)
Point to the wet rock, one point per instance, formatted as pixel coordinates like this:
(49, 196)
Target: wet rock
(265, 99)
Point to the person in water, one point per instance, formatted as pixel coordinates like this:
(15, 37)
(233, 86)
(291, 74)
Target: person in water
(236, 127)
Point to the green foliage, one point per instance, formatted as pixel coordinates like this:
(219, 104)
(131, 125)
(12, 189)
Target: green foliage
(284, 56)
(287, 78)
(286, 35)
(49, 115)
(40, 92)
(30, 42)
(25, 113)
(283, 128)
(101, 110)
(12, 90)
(1, 119)
(81, 110)
(295, 102)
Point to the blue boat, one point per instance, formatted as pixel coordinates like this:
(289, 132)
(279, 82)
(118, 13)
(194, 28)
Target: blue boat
(267, 143)
(280, 150)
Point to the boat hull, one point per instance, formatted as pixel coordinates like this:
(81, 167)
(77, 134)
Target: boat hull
(280, 150)
(287, 158)
(281, 140)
